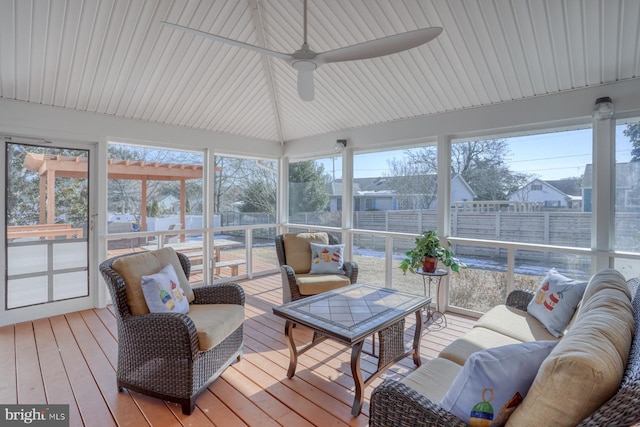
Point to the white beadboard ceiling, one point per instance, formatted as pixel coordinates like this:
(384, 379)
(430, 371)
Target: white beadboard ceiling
(114, 57)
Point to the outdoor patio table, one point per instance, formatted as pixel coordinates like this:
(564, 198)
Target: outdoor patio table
(189, 247)
(350, 315)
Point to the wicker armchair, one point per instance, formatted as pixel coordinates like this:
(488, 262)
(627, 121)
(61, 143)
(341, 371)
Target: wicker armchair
(291, 280)
(159, 354)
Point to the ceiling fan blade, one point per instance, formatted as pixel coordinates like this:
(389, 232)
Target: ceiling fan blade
(284, 56)
(305, 85)
(380, 47)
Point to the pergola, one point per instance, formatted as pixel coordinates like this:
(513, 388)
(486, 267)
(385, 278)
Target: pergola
(50, 167)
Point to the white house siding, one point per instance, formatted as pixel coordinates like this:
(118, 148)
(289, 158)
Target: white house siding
(547, 195)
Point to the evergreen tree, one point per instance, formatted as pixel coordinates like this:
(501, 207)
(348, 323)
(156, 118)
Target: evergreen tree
(307, 187)
(153, 210)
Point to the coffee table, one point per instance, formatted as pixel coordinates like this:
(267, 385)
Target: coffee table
(350, 315)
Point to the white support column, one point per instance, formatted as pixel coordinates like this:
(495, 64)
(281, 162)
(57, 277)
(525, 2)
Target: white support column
(444, 185)
(347, 188)
(444, 207)
(208, 222)
(98, 217)
(603, 192)
(283, 191)
(347, 200)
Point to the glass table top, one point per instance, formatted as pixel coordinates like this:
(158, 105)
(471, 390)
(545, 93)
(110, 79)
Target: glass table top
(352, 311)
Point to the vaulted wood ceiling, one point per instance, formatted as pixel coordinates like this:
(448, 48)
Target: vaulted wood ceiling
(114, 57)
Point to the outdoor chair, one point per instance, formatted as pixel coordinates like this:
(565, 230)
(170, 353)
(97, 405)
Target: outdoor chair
(121, 227)
(172, 238)
(170, 355)
(297, 263)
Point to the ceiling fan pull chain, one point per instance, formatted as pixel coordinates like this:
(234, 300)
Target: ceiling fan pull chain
(304, 23)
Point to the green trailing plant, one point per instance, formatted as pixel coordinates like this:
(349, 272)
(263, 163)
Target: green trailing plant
(428, 245)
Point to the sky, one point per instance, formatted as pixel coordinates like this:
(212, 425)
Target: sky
(549, 156)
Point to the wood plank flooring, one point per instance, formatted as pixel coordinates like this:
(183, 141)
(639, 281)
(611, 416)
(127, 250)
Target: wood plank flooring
(72, 359)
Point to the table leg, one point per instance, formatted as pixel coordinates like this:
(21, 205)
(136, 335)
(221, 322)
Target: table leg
(416, 339)
(293, 353)
(356, 350)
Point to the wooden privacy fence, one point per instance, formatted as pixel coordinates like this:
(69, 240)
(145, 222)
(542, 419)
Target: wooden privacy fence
(558, 228)
(43, 231)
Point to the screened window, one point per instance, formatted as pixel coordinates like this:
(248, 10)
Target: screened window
(396, 190)
(627, 193)
(315, 192)
(527, 189)
(153, 189)
(244, 191)
(511, 203)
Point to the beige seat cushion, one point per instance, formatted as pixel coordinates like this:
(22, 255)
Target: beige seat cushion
(477, 339)
(215, 322)
(133, 267)
(586, 367)
(312, 284)
(433, 378)
(514, 323)
(298, 251)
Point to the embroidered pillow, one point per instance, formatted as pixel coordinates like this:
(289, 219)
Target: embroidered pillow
(493, 382)
(556, 301)
(162, 292)
(327, 259)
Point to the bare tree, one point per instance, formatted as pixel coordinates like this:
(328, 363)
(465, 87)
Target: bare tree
(481, 163)
(260, 191)
(414, 182)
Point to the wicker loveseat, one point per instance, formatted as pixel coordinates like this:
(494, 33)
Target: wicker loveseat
(294, 256)
(173, 356)
(414, 401)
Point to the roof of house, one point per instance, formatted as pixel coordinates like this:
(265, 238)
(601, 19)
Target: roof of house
(568, 186)
(384, 184)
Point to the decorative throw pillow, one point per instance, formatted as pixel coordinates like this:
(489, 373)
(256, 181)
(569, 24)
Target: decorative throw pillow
(162, 292)
(327, 259)
(556, 301)
(493, 382)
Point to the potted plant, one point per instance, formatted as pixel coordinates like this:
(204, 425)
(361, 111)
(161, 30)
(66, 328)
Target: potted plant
(427, 252)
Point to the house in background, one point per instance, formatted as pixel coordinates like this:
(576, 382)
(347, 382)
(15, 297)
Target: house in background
(169, 204)
(560, 194)
(627, 198)
(383, 194)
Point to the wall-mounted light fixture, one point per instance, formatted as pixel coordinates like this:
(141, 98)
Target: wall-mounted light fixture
(341, 144)
(604, 109)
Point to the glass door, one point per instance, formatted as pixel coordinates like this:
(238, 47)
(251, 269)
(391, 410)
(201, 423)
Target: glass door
(46, 227)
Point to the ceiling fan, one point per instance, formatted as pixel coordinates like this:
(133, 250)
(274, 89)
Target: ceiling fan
(305, 60)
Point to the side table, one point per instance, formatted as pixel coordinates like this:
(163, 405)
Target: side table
(434, 317)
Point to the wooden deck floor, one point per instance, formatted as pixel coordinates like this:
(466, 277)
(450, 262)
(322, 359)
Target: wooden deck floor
(72, 358)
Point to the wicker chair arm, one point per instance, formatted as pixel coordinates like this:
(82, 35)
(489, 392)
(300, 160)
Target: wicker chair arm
(291, 292)
(395, 404)
(351, 271)
(520, 299)
(222, 293)
(633, 285)
(152, 331)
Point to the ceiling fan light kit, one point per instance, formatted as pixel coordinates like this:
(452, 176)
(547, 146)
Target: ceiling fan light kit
(306, 61)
